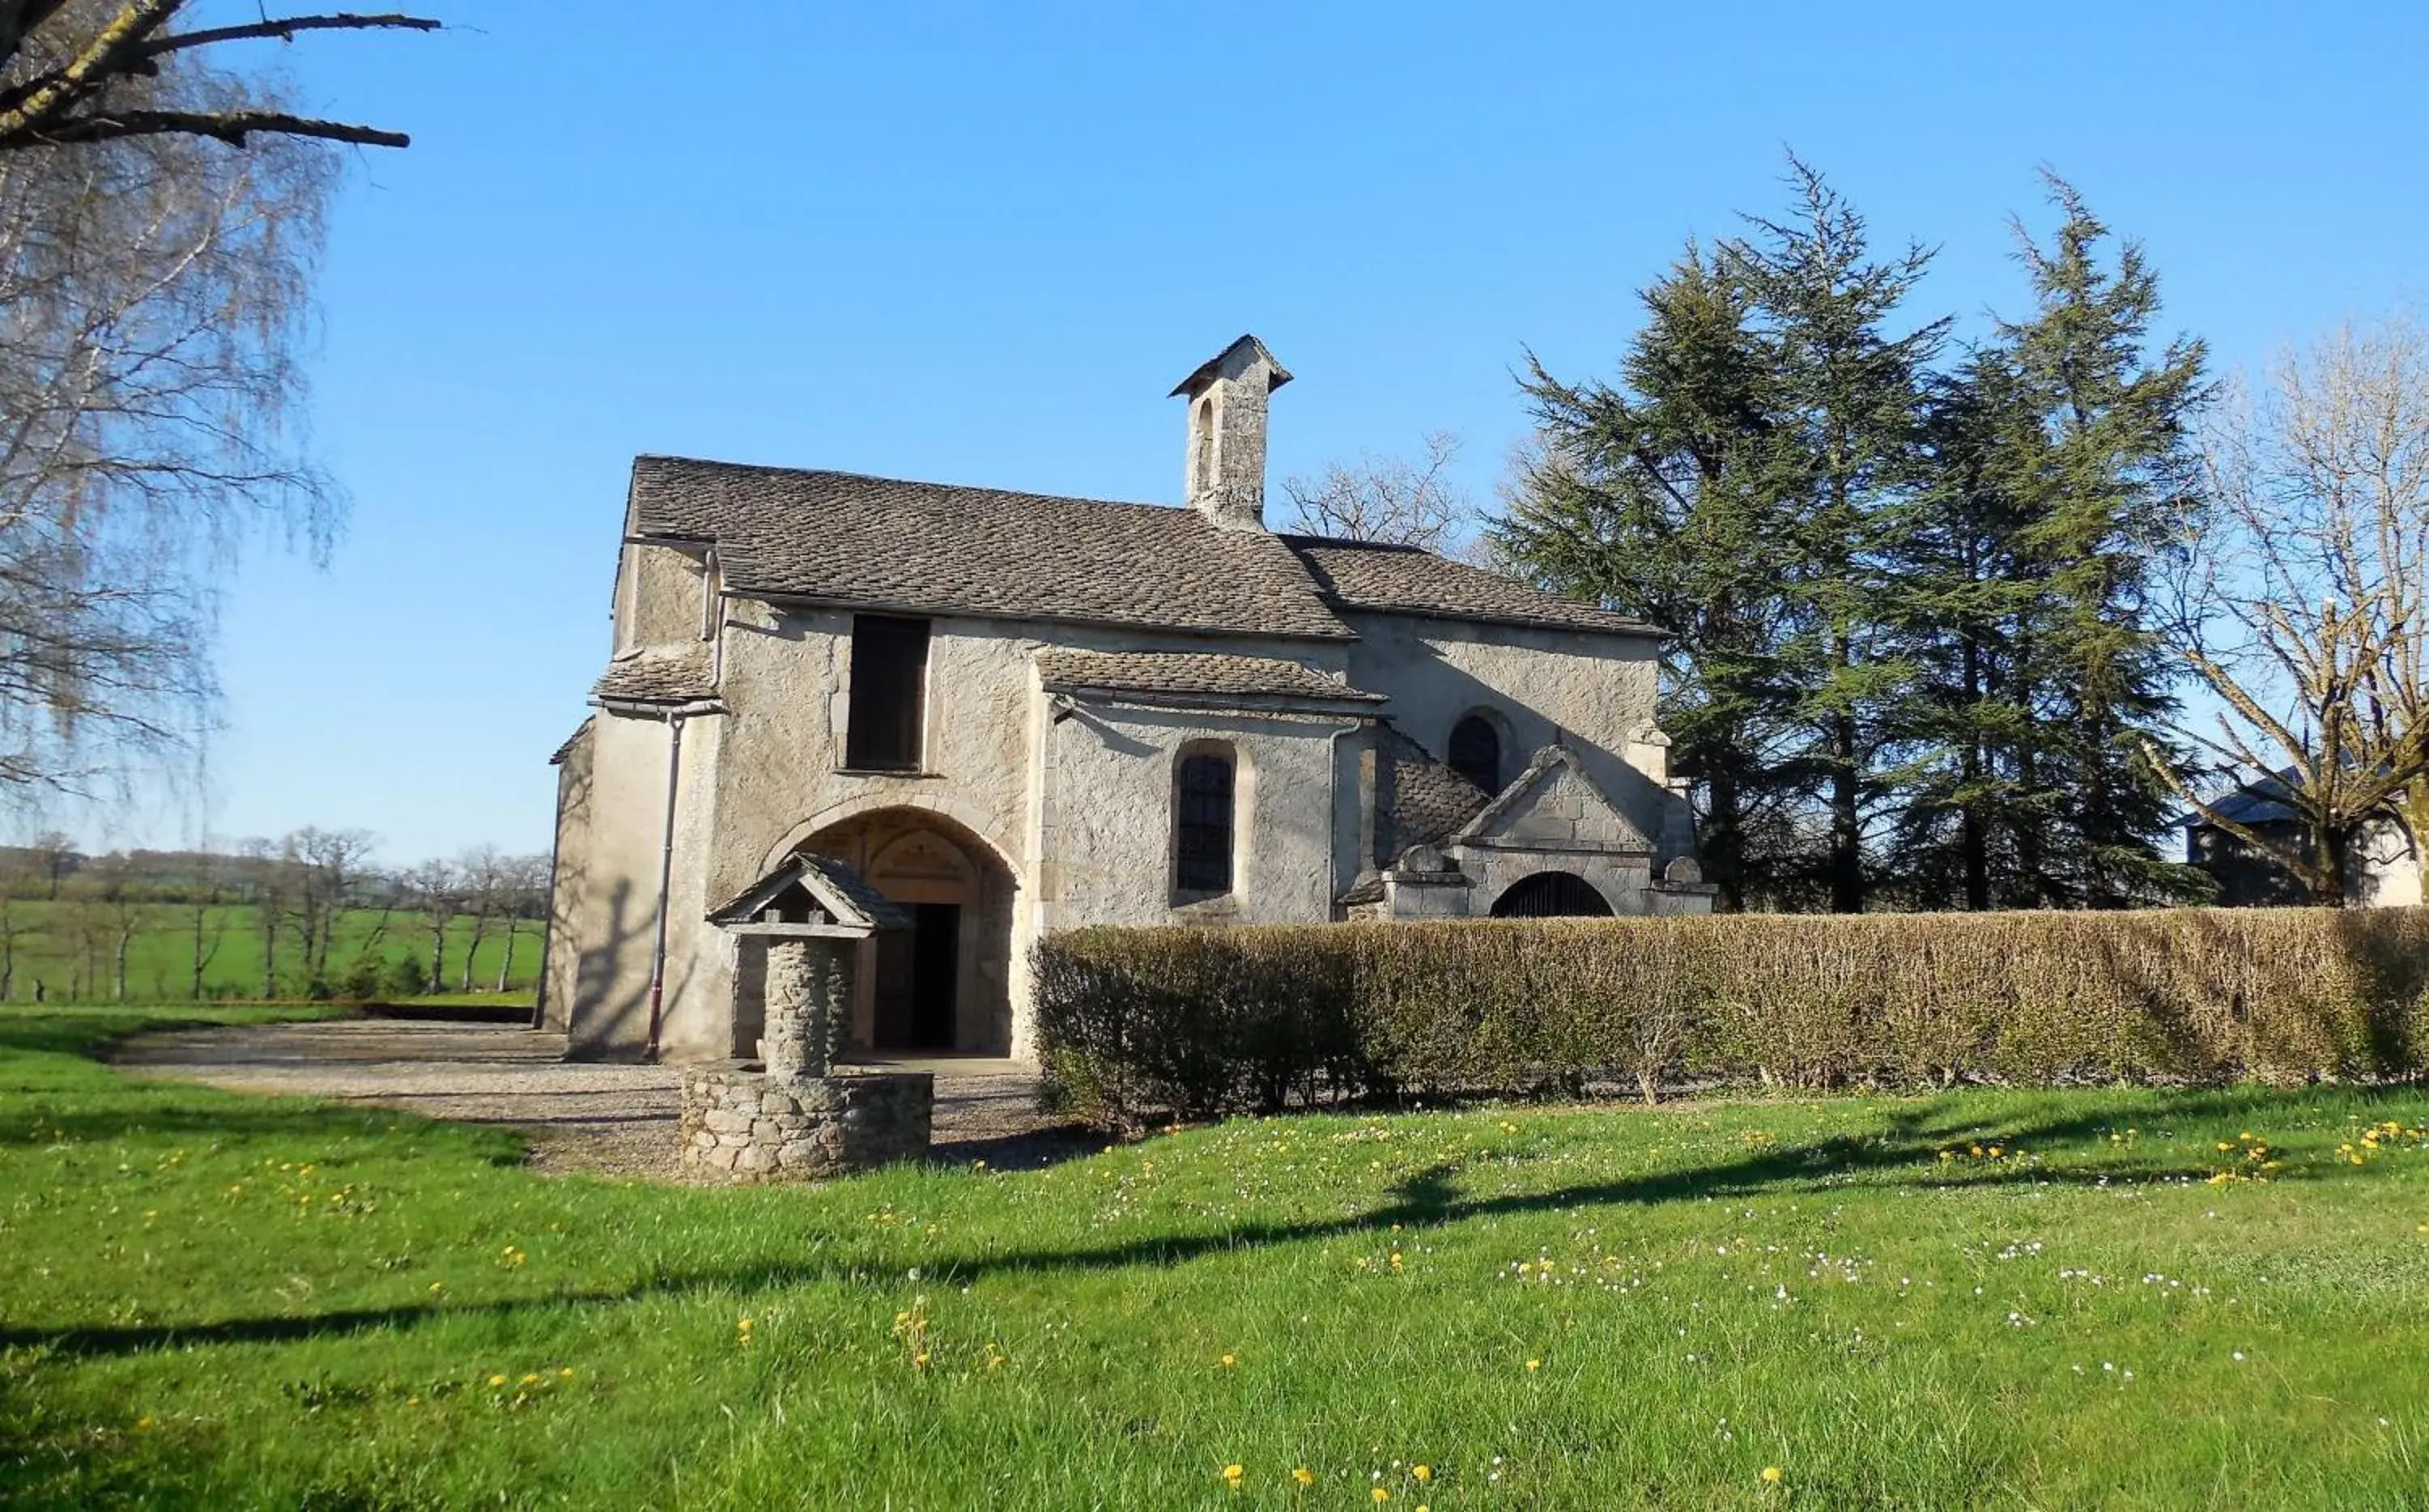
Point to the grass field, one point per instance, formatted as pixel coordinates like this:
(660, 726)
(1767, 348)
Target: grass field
(2007, 1300)
(160, 960)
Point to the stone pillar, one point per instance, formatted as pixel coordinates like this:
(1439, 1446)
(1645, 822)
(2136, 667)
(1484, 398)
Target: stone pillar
(809, 1001)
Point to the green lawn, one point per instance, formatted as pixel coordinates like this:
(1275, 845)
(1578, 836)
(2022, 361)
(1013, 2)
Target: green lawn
(71, 948)
(212, 1299)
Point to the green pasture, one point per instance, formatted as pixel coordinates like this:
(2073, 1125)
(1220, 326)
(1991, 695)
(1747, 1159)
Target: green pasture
(2018, 1300)
(55, 945)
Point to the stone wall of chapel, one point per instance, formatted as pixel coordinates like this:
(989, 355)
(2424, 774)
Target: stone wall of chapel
(1594, 692)
(779, 773)
(659, 592)
(1106, 815)
(606, 888)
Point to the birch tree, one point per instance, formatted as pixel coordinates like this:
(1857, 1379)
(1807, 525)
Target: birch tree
(154, 288)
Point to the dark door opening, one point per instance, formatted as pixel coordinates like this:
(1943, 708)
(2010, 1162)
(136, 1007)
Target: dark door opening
(935, 973)
(1551, 896)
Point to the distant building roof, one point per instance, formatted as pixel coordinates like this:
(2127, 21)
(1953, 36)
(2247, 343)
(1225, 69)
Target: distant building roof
(1193, 672)
(886, 543)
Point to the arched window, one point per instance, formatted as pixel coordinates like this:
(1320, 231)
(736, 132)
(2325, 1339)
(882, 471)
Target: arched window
(1551, 896)
(1202, 821)
(1476, 752)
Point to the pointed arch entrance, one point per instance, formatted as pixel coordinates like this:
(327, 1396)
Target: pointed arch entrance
(942, 985)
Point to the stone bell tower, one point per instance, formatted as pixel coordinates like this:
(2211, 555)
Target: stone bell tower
(1227, 432)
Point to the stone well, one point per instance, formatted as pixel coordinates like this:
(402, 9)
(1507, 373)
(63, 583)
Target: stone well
(741, 1123)
(790, 1116)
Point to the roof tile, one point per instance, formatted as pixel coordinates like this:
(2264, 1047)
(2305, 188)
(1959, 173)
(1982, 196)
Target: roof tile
(841, 537)
(1193, 672)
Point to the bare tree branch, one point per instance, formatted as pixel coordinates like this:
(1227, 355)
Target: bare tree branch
(65, 69)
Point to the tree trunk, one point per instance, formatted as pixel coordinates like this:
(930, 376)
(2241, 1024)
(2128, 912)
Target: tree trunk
(1972, 832)
(1722, 848)
(1847, 820)
(438, 953)
(506, 966)
(472, 948)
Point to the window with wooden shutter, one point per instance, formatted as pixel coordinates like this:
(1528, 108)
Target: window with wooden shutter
(889, 688)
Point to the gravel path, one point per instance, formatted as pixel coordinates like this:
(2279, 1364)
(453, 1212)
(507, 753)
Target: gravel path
(581, 1116)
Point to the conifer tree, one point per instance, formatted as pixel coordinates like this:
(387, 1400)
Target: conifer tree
(2065, 478)
(1841, 458)
(1738, 487)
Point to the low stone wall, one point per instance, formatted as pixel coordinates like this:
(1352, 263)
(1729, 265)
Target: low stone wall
(743, 1125)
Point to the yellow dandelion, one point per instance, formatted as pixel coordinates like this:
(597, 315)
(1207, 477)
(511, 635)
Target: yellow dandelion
(497, 1380)
(1534, 1365)
(146, 1424)
(531, 1378)
(920, 1361)
(1230, 1359)
(1304, 1476)
(1381, 1495)
(565, 1372)
(1772, 1475)
(1231, 1474)
(1422, 1473)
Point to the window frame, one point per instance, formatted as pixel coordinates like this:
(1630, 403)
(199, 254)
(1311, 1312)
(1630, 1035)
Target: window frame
(866, 747)
(1484, 720)
(1194, 879)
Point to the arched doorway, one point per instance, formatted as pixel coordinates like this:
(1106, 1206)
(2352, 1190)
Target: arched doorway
(1551, 896)
(941, 985)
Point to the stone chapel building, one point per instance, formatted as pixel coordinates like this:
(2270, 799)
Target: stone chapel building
(1013, 713)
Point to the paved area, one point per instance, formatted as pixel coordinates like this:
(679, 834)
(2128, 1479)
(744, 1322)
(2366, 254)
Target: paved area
(612, 1120)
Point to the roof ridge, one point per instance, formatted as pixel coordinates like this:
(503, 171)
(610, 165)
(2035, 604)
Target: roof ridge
(848, 475)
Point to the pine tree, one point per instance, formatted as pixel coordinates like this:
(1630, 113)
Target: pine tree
(2065, 461)
(1842, 461)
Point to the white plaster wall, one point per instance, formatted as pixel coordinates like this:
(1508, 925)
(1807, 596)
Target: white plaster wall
(1108, 817)
(658, 596)
(607, 890)
(569, 881)
(1593, 692)
(2388, 870)
(777, 775)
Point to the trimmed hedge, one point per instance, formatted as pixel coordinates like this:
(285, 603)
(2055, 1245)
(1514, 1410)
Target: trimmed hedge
(1136, 1023)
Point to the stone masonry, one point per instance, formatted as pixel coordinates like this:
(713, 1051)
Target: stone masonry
(742, 1125)
(793, 1120)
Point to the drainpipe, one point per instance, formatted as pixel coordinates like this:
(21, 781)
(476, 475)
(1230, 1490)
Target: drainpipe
(1334, 849)
(665, 878)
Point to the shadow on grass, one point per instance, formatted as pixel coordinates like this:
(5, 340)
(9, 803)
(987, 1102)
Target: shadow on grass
(1904, 1154)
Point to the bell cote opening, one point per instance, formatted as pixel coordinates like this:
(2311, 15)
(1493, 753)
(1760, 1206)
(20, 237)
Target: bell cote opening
(1227, 432)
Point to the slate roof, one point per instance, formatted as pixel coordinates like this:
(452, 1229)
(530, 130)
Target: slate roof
(844, 884)
(839, 537)
(846, 538)
(658, 677)
(1372, 575)
(1188, 672)
(1429, 801)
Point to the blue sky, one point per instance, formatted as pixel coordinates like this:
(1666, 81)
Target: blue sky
(979, 244)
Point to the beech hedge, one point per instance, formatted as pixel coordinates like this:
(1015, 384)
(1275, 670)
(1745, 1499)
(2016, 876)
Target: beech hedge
(1136, 1023)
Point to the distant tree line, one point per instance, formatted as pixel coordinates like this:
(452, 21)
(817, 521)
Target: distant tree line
(310, 914)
